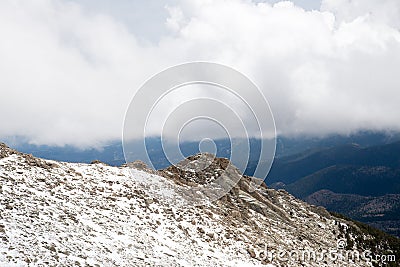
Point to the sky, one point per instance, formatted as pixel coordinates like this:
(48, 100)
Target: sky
(69, 68)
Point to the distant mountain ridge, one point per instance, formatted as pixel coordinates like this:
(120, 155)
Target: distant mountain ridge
(346, 179)
(382, 212)
(291, 168)
(112, 153)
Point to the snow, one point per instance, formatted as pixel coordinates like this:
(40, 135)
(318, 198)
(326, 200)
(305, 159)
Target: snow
(97, 215)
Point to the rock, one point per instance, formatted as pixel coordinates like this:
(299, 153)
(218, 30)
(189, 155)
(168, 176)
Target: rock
(148, 201)
(236, 214)
(141, 166)
(251, 252)
(5, 151)
(200, 169)
(210, 235)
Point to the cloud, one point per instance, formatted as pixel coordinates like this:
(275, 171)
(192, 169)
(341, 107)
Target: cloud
(384, 12)
(67, 75)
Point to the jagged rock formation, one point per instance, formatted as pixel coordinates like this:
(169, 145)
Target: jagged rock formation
(196, 170)
(69, 214)
(5, 151)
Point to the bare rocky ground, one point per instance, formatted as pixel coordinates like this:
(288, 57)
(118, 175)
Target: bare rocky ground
(69, 214)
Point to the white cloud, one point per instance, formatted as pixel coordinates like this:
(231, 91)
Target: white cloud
(380, 12)
(67, 75)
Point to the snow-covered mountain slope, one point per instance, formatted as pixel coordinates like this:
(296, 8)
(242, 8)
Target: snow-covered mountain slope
(69, 214)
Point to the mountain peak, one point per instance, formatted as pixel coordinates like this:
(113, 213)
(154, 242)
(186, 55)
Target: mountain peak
(199, 169)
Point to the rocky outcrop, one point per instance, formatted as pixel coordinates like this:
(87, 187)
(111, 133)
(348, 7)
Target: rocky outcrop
(199, 169)
(5, 151)
(139, 165)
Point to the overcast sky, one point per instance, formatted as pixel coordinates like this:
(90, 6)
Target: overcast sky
(68, 69)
